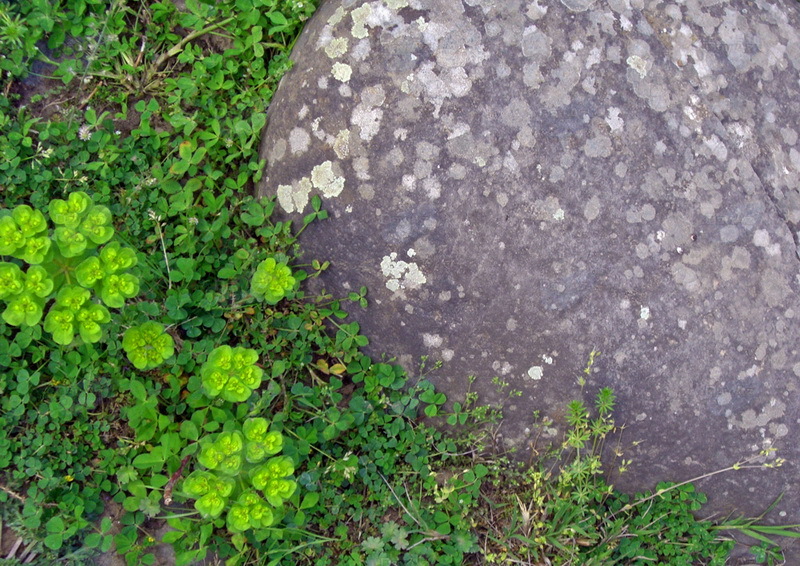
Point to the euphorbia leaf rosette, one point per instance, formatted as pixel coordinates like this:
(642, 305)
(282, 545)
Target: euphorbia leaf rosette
(249, 512)
(271, 281)
(116, 259)
(35, 249)
(62, 318)
(24, 309)
(273, 478)
(116, 288)
(29, 221)
(97, 225)
(74, 312)
(72, 298)
(11, 237)
(260, 442)
(210, 491)
(61, 324)
(12, 280)
(38, 282)
(69, 212)
(89, 272)
(89, 319)
(223, 454)
(57, 262)
(70, 242)
(231, 373)
(147, 345)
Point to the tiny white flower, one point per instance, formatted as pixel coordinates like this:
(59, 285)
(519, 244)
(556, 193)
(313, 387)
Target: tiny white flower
(85, 132)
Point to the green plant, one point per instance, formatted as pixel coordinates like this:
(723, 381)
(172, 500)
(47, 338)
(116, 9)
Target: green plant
(231, 373)
(272, 281)
(295, 446)
(64, 265)
(148, 345)
(239, 478)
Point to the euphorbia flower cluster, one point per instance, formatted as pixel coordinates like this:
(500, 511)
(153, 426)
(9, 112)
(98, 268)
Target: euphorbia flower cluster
(66, 265)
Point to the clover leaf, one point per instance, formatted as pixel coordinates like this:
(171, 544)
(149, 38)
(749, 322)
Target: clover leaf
(273, 479)
(260, 442)
(249, 512)
(70, 212)
(223, 454)
(147, 345)
(271, 281)
(210, 491)
(12, 281)
(231, 373)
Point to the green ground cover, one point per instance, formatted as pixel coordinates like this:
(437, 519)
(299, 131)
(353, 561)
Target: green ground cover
(160, 352)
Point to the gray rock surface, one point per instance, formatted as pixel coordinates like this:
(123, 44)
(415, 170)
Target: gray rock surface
(518, 182)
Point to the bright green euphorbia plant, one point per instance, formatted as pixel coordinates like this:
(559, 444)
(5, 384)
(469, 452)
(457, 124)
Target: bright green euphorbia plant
(231, 373)
(243, 474)
(147, 345)
(74, 270)
(272, 281)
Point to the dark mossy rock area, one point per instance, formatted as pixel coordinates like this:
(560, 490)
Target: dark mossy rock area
(521, 182)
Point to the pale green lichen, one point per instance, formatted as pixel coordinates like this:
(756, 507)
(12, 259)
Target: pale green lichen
(638, 64)
(342, 72)
(337, 16)
(401, 274)
(360, 15)
(336, 48)
(341, 145)
(405, 86)
(396, 4)
(294, 198)
(536, 372)
(324, 179)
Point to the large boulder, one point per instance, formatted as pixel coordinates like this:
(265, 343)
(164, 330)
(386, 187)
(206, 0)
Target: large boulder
(521, 182)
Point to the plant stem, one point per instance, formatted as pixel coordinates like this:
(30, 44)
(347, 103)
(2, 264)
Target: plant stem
(737, 466)
(177, 48)
(13, 494)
